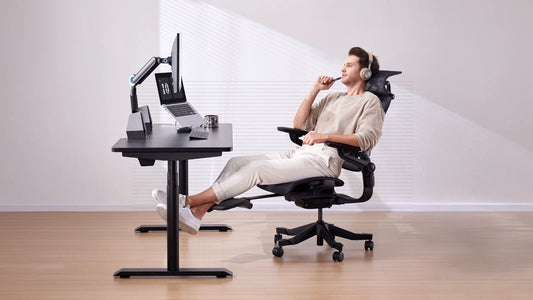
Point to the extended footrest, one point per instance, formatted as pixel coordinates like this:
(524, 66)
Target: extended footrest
(232, 203)
(244, 202)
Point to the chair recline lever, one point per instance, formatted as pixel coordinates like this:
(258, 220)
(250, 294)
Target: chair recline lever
(371, 167)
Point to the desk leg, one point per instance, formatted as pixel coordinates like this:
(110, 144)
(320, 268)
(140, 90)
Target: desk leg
(172, 218)
(173, 268)
(183, 177)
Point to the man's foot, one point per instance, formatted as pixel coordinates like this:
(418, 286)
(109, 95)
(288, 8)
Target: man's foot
(161, 209)
(161, 197)
(188, 222)
(182, 199)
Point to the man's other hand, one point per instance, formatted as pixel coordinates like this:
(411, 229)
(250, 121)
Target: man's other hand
(314, 137)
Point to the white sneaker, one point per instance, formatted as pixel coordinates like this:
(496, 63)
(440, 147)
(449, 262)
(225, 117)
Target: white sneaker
(181, 200)
(161, 209)
(187, 221)
(161, 197)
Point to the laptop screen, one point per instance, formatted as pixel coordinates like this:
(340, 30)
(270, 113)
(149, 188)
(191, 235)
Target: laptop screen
(166, 90)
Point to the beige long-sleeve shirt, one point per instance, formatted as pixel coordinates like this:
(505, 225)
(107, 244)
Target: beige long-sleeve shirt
(338, 113)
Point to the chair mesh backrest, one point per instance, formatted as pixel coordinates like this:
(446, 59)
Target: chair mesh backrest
(380, 86)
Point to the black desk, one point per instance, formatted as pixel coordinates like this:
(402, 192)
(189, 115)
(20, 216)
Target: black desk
(165, 144)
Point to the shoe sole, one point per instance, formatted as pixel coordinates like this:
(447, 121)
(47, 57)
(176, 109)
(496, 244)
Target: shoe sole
(186, 228)
(156, 198)
(162, 211)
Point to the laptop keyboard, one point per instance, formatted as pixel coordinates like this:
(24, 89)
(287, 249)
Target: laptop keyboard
(198, 133)
(180, 110)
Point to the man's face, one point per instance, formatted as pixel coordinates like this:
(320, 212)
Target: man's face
(350, 70)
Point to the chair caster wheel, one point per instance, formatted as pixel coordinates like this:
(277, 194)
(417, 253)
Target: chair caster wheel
(338, 256)
(369, 246)
(277, 237)
(277, 251)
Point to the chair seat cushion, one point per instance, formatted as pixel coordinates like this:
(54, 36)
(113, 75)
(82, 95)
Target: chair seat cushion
(285, 188)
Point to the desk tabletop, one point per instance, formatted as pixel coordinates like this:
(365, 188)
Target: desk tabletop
(164, 139)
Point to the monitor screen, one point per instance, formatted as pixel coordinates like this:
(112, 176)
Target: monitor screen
(176, 64)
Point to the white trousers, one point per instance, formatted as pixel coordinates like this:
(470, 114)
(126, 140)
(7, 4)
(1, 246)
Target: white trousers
(243, 173)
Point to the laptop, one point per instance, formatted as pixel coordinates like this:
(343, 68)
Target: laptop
(176, 103)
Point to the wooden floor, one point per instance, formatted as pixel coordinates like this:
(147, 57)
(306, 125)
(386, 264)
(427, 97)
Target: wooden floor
(58, 255)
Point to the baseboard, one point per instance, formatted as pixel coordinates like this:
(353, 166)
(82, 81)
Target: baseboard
(79, 207)
(441, 207)
(411, 207)
(287, 206)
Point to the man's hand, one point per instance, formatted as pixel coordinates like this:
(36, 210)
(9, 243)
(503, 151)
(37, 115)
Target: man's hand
(323, 83)
(314, 137)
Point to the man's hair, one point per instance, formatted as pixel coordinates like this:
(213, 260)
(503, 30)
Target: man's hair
(363, 59)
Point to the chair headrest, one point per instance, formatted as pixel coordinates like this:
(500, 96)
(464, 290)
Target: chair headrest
(380, 86)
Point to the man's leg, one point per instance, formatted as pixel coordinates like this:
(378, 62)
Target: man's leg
(233, 165)
(200, 203)
(236, 163)
(257, 172)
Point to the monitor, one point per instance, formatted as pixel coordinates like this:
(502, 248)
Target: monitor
(176, 64)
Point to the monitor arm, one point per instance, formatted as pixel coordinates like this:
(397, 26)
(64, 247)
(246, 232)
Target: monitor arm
(143, 73)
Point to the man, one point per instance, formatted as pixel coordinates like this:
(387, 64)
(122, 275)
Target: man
(354, 117)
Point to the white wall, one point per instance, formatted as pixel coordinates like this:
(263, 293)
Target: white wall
(65, 100)
(457, 136)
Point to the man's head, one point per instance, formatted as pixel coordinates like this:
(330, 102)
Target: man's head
(357, 60)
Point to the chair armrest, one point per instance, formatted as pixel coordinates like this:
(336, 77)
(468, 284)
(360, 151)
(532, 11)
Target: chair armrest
(344, 147)
(294, 134)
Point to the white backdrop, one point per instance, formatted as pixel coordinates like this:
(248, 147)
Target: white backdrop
(456, 137)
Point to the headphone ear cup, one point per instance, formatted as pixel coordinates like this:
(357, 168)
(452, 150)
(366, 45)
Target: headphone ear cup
(365, 73)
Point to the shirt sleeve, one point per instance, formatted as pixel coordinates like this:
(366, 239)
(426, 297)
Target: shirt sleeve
(368, 130)
(316, 109)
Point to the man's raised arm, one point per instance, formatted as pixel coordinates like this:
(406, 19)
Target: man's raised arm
(321, 83)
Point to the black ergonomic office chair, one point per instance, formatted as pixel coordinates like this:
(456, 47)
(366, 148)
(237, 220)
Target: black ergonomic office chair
(319, 192)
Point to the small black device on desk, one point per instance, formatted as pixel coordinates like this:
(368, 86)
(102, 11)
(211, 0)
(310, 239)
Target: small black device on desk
(198, 133)
(194, 132)
(185, 129)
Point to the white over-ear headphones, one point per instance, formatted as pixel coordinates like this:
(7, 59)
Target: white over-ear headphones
(366, 73)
